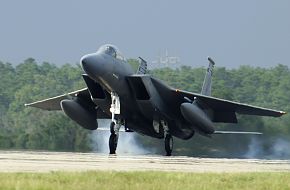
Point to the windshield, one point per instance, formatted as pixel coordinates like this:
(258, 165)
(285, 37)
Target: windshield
(112, 51)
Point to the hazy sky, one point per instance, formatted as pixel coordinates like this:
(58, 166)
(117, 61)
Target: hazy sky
(232, 32)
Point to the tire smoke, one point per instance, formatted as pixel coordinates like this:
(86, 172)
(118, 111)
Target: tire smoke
(276, 148)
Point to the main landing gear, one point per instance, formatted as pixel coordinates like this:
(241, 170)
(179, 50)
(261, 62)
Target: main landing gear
(168, 140)
(115, 124)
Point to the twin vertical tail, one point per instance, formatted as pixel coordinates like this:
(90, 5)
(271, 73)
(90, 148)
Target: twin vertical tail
(206, 87)
(142, 69)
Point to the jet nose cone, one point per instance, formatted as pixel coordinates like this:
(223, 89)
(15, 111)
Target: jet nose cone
(90, 65)
(85, 62)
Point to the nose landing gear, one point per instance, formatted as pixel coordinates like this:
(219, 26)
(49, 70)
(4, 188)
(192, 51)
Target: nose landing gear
(113, 140)
(115, 124)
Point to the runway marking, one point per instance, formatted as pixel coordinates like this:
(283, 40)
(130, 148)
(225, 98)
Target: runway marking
(29, 161)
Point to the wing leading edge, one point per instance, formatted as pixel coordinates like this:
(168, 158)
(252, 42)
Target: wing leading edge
(53, 104)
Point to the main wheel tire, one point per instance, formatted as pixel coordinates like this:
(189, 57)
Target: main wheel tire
(113, 143)
(112, 127)
(168, 144)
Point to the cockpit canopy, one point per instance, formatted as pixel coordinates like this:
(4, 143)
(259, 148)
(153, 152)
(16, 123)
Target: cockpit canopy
(112, 51)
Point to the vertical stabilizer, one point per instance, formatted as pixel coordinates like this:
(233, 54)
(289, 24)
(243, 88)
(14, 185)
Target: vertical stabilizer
(142, 69)
(206, 87)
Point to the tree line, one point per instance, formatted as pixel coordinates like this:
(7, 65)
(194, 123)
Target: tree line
(30, 128)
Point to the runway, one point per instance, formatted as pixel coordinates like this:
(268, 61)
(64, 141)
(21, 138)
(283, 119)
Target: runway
(30, 161)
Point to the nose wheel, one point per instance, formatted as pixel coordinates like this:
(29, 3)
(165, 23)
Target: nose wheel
(113, 140)
(115, 124)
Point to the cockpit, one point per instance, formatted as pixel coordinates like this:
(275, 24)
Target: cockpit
(112, 51)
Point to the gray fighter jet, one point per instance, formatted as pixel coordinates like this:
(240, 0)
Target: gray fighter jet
(144, 104)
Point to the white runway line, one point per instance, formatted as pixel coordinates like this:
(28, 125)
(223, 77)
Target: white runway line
(29, 161)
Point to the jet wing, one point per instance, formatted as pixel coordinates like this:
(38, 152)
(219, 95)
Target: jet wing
(223, 110)
(226, 106)
(52, 104)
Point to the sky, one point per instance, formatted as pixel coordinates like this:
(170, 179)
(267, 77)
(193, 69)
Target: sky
(233, 33)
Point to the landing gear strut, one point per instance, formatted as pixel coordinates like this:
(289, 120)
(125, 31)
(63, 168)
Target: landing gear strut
(115, 124)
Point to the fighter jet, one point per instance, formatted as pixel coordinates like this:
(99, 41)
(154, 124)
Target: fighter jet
(144, 104)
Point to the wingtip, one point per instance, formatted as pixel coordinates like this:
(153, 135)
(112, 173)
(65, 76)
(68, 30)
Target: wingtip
(27, 105)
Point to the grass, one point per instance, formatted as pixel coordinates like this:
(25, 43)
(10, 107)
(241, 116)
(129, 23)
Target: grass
(143, 180)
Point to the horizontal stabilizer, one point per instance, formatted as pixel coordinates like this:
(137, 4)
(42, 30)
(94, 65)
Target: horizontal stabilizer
(237, 133)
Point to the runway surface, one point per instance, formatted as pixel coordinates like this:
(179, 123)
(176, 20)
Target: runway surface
(28, 161)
